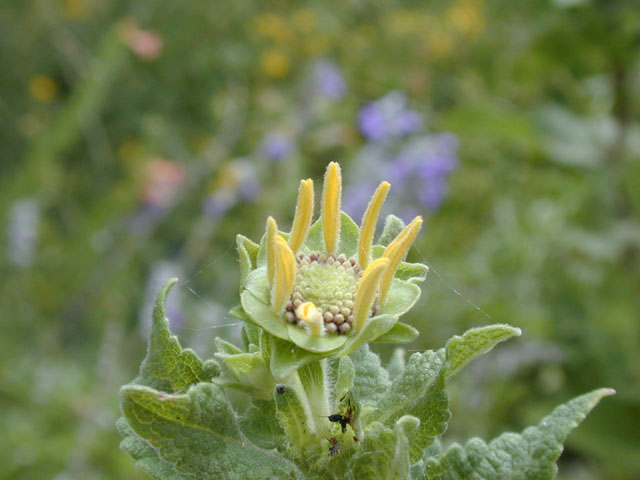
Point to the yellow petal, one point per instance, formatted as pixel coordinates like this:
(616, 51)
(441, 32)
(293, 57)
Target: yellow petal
(285, 275)
(312, 316)
(304, 214)
(395, 252)
(272, 232)
(366, 292)
(330, 213)
(369, 221)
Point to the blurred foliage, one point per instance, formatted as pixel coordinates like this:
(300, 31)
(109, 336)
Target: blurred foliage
(131, 138)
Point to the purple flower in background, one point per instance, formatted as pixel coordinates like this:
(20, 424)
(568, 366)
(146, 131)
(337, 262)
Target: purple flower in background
(417, 168)
(276, 146)
(388, 118)
(327, 80)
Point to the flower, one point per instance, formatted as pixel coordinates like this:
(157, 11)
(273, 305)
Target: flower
(388, 118)
(325, 286)
(276, 146)
(327, 80)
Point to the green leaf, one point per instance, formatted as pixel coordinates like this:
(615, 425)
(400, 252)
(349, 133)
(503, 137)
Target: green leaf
(385, 452)
(261, 314)
(475, 342)
(286, 357)
(397, 364)
(345, 377)
(294, 417)
(371, 379)
(399, 333)
(225, 347)
(530, 455)
(167, 366)
(259, 423)
(146, 458)
(247, 252)
(250, 370)
(418, 391)
(392, 227)
(401, 298)
(304, 339)
(374, 327)
(197, 435)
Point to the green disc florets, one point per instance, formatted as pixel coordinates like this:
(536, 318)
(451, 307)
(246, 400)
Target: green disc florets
(330, 283)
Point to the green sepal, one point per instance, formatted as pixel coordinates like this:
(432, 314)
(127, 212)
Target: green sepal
(247, 252)
(321, 345)
(167, 366)
(410, 272)
(349, 233)
(399, 333)
(250, 332)
(250, 370)
(261, 314)
(373, 328)
(401, 298)
(287, 357)
(530, 455)
(475, 342)
(392, 227)
(197, 435)
(225, 347)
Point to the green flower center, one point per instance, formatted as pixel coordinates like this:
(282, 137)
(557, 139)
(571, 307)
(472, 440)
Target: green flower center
(330, 282)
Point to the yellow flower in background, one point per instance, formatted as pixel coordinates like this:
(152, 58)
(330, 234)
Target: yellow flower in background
(75, 8)
(439, 43)
(275, 64)
(273, 26)
(305, 20)
(467, 17)
(43, 88)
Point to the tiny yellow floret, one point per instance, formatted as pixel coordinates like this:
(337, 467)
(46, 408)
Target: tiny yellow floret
(369, 221)
(303, 216)
(312, 316)
(330, 213)
(395, 252)
(366, 291)
(285, 275)
(272, 232)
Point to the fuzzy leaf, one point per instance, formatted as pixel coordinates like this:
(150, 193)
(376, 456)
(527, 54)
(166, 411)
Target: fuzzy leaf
(475, 342)
(146, 458)
(345, 377)
(530, 455)
(259, 423)
(167, 366)
(371, 379)
(385, 451)
(400, 333)
(197, 435)
(418, 391)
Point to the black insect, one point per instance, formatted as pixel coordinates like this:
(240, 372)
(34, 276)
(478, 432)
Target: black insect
(343, 420)
(280, 389)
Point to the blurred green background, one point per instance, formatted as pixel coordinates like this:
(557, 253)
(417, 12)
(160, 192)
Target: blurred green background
(138, 137)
